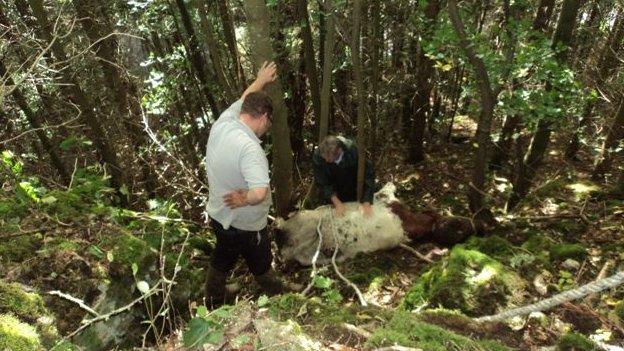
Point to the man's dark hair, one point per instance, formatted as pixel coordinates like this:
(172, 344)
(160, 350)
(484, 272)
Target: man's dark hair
(256, 104)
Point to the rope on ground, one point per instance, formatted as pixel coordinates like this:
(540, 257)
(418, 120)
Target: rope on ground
(315, 258)
(344, 279)
(582, 291)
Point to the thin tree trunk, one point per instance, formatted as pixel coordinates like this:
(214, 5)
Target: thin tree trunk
(611, 143)
(310, 61)
(71, 87)
(126, 102)
(376, 43)
(230, 39)
(424, 69)
(327, 71)
(33, 120)
(541, 139)
(204, 72)
(215, 52)
(360, 95)
(258, 18)
(488, 101)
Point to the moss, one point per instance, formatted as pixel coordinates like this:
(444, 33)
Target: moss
(408, 330)
(538, 243)
(494, 246)
(16, 335)
(569, 227)
(576, 342)
(312, 312)
(13, 299)
(551, 188)
(562, 252)
(467, 280)
(619, 311)
(10, 209)
(127, 249)
(20, 248)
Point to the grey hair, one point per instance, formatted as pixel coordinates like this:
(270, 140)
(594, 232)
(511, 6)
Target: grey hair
(329, 146)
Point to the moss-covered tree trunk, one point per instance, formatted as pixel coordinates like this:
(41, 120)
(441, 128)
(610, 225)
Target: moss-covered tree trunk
(309, 58)
(375, 51)
(258, 18)
(230, 39)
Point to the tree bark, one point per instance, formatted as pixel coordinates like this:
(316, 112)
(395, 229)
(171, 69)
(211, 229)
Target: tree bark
(327, 71)
(310, 61)
(71, 87)
(539, 143)
(230, 38)
(614, 138)
(360, 95)
(258, 18)
(376, 44)
(488, 101)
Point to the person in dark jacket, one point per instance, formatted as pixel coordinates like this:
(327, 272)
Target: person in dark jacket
(335, 164)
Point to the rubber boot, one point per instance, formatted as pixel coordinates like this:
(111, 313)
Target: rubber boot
(215, 286)
(272, 284)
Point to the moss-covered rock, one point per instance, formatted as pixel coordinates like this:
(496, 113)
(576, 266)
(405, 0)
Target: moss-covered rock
(494, 246)
(406, 329)
(576, 342)
(562, 252)
(124, 250)
(25, 305)
(468, 280)
(19, 248)
(17, 336)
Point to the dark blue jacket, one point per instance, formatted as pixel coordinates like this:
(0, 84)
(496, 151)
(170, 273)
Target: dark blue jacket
(341, 179)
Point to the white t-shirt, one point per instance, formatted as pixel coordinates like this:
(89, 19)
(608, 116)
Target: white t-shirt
(235, 160)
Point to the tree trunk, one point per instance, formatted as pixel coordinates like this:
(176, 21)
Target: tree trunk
(123, 91)
(541, 139)
(360, 95)
(310, 61)
(424, 69)
(376, 44)
(488, 101)
(230, 38)
(33, 120)
(327, 71)
(258, 18)
(611, 143)
(204, 73)
(71, 87)
(215, 53)
(544, 11)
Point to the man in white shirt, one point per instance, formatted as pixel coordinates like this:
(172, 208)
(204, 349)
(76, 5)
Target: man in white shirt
(239, 190)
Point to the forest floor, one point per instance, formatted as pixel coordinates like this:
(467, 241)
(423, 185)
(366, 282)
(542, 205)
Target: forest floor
(568, 232)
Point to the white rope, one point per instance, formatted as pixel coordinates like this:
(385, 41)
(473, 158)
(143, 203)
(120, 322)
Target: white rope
(582, 291)
(344, 279)
(315, 257)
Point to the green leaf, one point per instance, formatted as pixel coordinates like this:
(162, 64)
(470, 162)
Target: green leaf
(124, 190)
(49, 200)
(202, 311)
(135, 269)
(196, 333)
(143, 287)
(110, 257)
(322, 282)
(96, 251)
(263, 301)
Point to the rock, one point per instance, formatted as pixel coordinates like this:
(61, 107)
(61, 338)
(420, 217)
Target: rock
(284, 336)
(540, 282)
(571, 264)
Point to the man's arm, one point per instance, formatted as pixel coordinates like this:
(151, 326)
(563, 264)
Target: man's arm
(266, 74)
(243, 197)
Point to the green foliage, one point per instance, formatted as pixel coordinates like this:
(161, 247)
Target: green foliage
(562, 252)
(406, 329)
(467, 280)
(19, 248)
(16, 335)
(125, 249)
(331, 295)
(309, 311)
(494, 246)
(25, 305)
(206, 327)
(576, 342)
